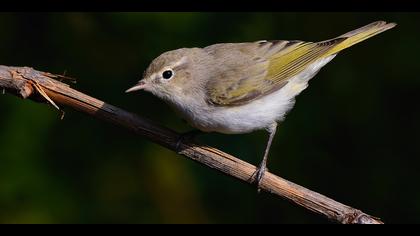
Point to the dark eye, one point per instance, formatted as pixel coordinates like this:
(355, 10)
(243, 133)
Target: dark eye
(167, 74)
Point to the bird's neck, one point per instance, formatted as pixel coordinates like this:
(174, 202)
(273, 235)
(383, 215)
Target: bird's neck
(188, 106)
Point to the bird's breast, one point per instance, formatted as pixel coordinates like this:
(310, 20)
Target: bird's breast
(234, 119)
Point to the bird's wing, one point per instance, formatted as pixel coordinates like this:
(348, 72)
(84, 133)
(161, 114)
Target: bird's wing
(258, 71)
(252, 70)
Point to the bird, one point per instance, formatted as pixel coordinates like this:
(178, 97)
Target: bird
(236, 88)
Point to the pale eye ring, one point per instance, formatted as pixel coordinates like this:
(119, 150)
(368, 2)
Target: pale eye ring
(167, 74)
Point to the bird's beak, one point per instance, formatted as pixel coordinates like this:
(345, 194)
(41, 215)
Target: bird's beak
(139, 86)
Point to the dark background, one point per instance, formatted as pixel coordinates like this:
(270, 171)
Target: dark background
(353, 134)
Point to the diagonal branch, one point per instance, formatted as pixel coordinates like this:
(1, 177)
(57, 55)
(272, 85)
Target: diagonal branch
(40, 86)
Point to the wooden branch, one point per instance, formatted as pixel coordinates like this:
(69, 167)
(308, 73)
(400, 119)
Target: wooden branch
(40, 86)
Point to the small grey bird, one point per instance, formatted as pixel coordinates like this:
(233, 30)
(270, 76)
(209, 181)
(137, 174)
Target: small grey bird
(235, 88)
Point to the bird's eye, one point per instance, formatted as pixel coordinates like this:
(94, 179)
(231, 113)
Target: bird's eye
(167, 74)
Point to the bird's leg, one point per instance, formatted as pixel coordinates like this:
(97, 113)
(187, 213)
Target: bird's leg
(186, 136)
(263, 166)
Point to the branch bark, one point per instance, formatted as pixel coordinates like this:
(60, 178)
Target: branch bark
(39, 86)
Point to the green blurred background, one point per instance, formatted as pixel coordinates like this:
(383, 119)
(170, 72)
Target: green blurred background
(353, 134)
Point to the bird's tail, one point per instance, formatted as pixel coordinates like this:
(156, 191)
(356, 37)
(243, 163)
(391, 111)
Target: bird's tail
(358, 35)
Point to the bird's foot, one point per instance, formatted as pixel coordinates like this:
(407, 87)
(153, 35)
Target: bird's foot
(187, 136)
(259, 174)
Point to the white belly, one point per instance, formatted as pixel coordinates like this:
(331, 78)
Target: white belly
(259, 114)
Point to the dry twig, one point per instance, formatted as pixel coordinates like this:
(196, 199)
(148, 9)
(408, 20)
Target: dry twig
(41, 86)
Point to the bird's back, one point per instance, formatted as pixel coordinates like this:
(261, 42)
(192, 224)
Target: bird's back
(249, 71)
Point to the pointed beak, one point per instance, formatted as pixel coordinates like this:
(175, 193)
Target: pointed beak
(139, 86)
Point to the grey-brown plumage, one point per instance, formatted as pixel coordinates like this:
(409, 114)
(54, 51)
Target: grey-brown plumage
(242, 87)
